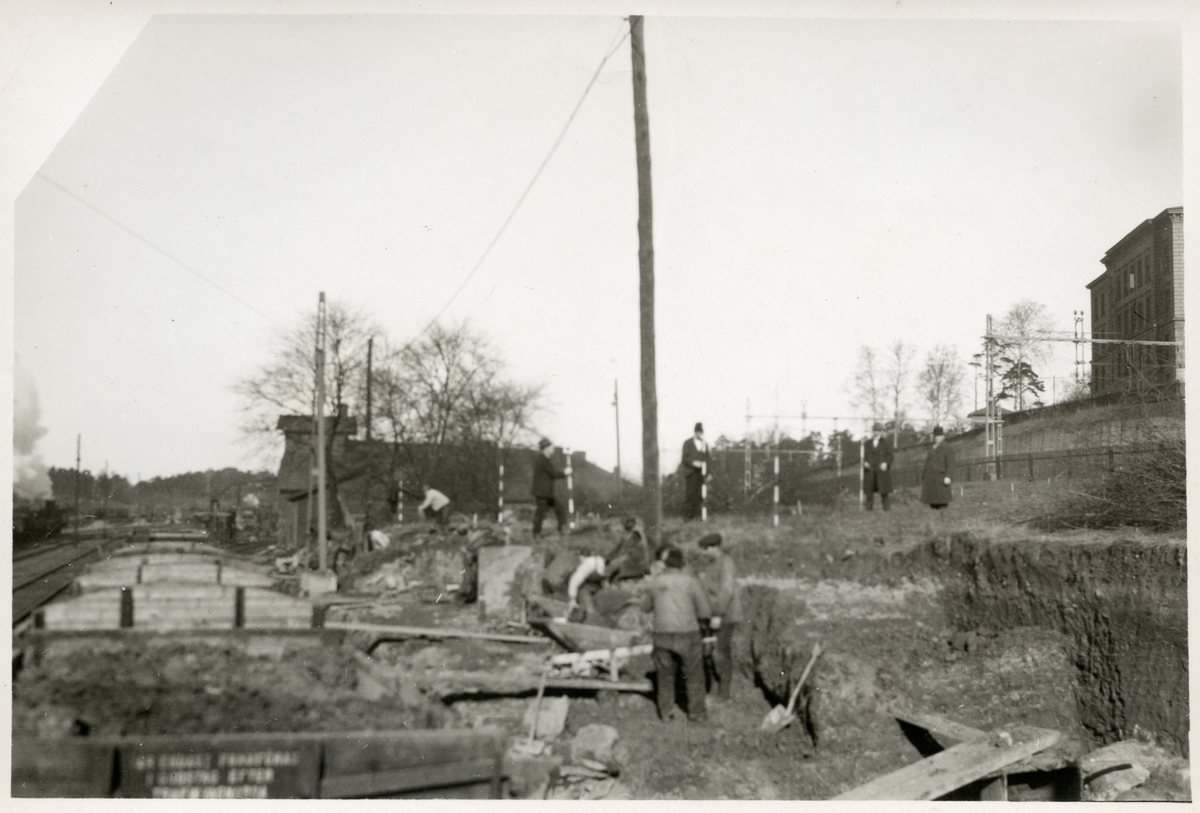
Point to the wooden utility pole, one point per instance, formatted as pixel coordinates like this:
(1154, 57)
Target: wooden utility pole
(78, 447)
(641, 131)
(322, 553)
(617, 415)
(370, 347)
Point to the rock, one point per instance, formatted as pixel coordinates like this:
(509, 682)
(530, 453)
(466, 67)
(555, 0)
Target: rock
(506, 575)
(599, 743)
(1115, 769)
(529, 775)
(552, 717)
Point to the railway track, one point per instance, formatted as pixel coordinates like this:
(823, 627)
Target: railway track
(40, 576)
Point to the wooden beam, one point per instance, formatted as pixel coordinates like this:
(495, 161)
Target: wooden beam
(436, 633)
(957, 766)
(400, 780)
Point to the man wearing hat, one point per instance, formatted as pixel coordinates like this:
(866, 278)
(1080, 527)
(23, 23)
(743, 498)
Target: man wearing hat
(720, 585)
(679, 605)
(877, 468)
(695, 467)
(935, 479)
(544, 475)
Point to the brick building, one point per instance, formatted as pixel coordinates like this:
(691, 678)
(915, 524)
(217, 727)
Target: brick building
(1140, 296)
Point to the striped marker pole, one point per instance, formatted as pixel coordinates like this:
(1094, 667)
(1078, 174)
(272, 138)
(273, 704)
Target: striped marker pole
(400, 503)
(500, 512)
(862, 472)
(570, 492)
(703, 491)
(776, 490)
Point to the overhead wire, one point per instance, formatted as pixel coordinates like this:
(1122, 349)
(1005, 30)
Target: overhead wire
(145, 241)
(528, 188)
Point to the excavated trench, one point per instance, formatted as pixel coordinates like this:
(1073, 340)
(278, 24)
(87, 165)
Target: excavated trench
(1114, 613)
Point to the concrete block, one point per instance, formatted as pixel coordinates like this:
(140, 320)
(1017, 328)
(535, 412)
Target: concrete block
(552, 717)
(316, 584)
(506, 574)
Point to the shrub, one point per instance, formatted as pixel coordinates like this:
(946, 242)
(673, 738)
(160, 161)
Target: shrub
(1149, 491)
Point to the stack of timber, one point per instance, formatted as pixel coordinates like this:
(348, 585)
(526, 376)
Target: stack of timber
(345, 765)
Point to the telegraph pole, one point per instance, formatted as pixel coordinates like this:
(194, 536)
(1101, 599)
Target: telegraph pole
(641, 128)
(370, 347)
(617, 415)
(322, 553)
(78, 447)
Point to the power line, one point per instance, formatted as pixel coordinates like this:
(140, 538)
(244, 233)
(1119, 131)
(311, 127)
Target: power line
(504, 226)
(151, 244)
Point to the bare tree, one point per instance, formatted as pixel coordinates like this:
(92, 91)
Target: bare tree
(867, 388)
(287, 385)
(447, 388)
(1024, 329)
(898, 374)
(940, 383)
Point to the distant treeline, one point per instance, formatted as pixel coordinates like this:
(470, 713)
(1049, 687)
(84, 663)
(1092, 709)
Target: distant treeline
(191, 490)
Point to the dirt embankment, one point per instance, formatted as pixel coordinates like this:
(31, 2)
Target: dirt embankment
(1120, 606)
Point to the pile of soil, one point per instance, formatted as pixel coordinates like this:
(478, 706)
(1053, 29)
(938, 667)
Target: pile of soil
(204, 689)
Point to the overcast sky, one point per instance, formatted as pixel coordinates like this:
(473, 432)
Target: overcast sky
(819, 184)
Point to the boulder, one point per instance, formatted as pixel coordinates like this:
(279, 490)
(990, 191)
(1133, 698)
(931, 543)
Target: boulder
(599, 744)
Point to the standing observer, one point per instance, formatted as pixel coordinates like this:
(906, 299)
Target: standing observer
(935, 480)
(877, 468)
(695, 468)
(544, 475)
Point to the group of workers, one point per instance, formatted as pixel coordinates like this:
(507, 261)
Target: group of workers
(686, 608)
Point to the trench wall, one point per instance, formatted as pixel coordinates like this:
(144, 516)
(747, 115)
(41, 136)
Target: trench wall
(1121, 604)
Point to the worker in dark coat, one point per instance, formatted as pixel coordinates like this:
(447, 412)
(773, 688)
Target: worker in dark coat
(935, 480)
(544, 475)
(877, 468)
(695, 468)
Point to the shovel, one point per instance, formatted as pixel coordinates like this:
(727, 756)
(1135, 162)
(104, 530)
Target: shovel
(779, 717)
(532, 745)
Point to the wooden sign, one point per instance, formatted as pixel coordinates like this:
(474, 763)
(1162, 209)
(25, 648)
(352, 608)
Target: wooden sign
(266, 767)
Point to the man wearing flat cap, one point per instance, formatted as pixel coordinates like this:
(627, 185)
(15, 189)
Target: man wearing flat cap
(935, 479)
(877, 468)
(695, 469)
(719, 578)
(544, 475)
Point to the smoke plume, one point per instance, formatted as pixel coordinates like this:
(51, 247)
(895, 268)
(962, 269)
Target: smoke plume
(31, 480)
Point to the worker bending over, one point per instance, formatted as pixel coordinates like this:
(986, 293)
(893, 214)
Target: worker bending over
(629, 559)
(436, 506)
(679, 606)
(584, 583)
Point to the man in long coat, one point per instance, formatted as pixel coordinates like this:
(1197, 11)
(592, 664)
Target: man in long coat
(544, 475)
(695, 468)
(877, 468)
(935, 480)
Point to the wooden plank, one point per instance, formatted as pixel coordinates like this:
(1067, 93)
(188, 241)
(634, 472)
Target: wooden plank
(957, 766)
(601, 655)
(945, 732)
(400, 780)
(385, 630)
(597, 684)
(61, 768)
